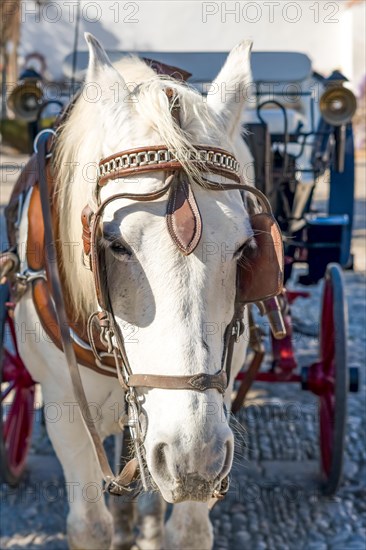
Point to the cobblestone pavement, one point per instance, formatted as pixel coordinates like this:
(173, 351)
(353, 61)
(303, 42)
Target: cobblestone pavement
(275, 502)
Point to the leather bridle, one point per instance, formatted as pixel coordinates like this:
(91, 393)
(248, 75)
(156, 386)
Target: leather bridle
(185, 226)
(110, 331)
(91, 235)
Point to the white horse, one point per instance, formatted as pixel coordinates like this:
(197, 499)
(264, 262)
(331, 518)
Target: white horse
(170, 308)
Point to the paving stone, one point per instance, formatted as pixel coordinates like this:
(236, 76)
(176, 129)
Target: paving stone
(316, 546)
(241, 539)
(357, 540)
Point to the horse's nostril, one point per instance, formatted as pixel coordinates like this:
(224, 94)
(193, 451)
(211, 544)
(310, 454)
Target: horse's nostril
(159, 458)
(229, 448)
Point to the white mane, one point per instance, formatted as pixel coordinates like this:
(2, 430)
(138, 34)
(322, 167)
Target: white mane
(81, 144)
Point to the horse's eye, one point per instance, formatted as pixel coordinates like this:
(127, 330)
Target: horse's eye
(118, 248)
(247, 252)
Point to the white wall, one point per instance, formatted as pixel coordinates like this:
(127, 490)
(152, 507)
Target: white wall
(359, 47)
(322, 29)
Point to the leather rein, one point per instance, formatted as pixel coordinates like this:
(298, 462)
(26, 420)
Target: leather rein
(182, 212)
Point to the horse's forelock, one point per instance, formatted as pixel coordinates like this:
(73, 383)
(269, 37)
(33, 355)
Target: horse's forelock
(80, 145)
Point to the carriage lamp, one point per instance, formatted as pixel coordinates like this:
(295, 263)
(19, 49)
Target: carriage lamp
(27, 96)
(337, 104)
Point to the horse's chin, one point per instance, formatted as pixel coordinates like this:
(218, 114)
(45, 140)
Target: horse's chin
(193, 488)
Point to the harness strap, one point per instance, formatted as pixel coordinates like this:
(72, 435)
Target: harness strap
(199, 382)
(114, 484)
(262, 199)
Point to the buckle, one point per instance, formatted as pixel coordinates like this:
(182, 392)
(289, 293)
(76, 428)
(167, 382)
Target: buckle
(29, 276)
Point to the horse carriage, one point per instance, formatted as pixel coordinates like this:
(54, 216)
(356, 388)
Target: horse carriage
(299, 130)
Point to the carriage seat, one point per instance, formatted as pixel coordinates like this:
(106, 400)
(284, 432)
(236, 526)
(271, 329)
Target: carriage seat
(275, 123)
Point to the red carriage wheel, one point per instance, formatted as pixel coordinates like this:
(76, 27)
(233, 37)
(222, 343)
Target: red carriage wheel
(17, 400)
(333, 374)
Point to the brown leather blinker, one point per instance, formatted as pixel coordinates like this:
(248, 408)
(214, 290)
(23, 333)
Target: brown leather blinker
(261, 277)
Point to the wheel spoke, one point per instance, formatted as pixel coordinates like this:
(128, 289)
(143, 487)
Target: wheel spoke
(10, 324)
(16, 399)
(9, 388)
(18, 428)
(11, 415)
(12, 367)
(9, 356)
(14, 441)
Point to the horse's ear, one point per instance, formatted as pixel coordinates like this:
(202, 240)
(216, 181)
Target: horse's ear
(231, 87)
(101, 71)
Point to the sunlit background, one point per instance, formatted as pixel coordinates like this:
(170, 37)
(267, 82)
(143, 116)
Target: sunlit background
(331, 33)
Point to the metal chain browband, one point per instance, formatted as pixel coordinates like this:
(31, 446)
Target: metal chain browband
(159, 157)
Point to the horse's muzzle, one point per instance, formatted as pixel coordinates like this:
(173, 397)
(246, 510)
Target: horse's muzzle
(181, 477)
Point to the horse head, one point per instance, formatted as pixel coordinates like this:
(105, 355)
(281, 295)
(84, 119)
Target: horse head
(172, 297)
